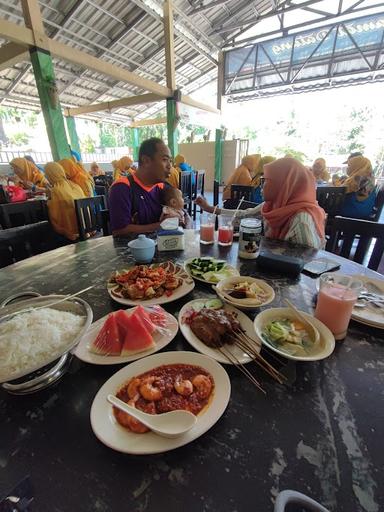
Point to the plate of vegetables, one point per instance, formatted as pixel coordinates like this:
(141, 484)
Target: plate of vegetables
(281, 331)
(209, 270)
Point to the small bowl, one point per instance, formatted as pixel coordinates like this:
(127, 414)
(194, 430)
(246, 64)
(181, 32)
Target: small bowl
(228, 283)
(324, 348)
(142, 249)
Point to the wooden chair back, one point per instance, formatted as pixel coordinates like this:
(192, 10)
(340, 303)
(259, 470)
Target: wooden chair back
(239, 191)
(22, 242)
(13, 215)
(198, 188)
(88, 214)
(378, 207)
(185, 185)
(345, 232)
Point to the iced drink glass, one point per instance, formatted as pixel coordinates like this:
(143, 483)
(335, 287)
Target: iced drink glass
(337, 296)
(207, 228)
(225, 236)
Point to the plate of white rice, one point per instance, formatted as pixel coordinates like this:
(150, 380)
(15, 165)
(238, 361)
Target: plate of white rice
(34, 338)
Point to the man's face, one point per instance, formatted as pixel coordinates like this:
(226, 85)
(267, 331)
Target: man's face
(160, 165)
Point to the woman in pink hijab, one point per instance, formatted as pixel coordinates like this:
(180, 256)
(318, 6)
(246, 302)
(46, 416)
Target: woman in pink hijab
(290, 211)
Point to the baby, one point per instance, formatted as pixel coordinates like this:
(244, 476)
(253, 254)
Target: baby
(173, 202)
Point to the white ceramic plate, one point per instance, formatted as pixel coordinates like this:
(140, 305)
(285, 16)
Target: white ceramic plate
(161, 340)
(113, 435)
(234, 270)
(370, 315)
(327, 340)
(186, 287)
(245, 322)
(246, 304)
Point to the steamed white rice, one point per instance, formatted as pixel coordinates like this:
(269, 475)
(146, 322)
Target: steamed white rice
(30, 339)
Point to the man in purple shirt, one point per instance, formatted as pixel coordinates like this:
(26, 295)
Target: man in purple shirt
(134, 201)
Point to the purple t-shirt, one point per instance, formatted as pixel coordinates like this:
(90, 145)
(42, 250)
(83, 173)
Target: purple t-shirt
(147, 202)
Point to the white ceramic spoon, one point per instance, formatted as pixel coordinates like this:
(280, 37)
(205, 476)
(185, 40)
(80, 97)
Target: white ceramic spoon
(168, 424)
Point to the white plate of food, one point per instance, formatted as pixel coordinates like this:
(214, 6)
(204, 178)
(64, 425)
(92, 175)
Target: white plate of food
(281, 331)
(165, 369)
(164, 329)
(209, 270)
(245, 292)
(198, 323)
(370, 314)
(158, 283)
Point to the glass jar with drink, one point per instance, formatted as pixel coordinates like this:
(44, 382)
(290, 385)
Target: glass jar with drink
(337, 296)
(225, 236)
(207, 228)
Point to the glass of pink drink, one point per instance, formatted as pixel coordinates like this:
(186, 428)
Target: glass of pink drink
(337, 296)
(207, 228)
(225, 236)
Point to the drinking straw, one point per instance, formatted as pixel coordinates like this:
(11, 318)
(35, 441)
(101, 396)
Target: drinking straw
(237, 209)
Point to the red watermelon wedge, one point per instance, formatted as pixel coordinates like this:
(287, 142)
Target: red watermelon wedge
(144, 316)
(137, 339)
(107, 342)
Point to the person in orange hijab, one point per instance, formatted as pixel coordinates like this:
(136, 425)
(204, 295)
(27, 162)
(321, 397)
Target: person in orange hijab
(319, 169)
(77, 174)
(243, 174)
(290, 211)
(121, 167)
(96, 170)
(61, 206)
(29, 176)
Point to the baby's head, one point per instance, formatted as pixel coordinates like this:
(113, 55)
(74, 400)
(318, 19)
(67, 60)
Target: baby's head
(172, 197)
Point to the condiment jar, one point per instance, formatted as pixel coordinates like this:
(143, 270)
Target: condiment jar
(143, 249)
(249, 238)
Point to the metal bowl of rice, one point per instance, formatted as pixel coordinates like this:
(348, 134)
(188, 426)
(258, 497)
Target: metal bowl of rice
(36, 332)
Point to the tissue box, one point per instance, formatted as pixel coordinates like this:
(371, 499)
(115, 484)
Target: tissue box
(170, 240)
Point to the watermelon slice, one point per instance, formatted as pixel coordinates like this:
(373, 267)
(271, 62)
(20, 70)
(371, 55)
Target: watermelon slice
(157, 316)
(121, 317)
(144, 316)
(107, 342)
(137, 339)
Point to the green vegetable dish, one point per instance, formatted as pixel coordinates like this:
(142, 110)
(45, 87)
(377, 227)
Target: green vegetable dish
(289, 336)
(210, 269)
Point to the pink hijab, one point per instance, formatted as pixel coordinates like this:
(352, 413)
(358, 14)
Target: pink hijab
(293, 188)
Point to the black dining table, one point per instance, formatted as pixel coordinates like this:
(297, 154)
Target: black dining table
(321, 433)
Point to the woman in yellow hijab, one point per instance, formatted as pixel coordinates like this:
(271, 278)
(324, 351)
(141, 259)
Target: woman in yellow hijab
(361, 192)
(174, 178)
(61, 206)
(243, 174)
(77, 174)
(28, 174)
(121, 167)
(319, 169)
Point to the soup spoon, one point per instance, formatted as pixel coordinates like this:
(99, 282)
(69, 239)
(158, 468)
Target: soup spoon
(168, 424)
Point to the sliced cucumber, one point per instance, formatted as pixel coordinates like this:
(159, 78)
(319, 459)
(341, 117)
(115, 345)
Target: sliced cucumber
(198, 306)
(214, 304)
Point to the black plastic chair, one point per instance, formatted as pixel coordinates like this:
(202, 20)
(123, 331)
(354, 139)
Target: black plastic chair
(198, 189)
(22, 242)
(331, 199)
(88, 214)
(378, 207)
(13, 215)
(239, 191)
(185, 185)
(105, 222)
(346, 231)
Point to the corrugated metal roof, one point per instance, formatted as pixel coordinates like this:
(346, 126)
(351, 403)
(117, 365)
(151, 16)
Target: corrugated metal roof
(129, 34)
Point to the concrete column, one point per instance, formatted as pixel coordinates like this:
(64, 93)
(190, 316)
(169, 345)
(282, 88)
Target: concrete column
(73, 137)
(172, 126)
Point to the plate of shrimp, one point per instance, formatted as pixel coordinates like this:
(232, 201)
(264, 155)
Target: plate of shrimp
(157, 283)
(160, 383)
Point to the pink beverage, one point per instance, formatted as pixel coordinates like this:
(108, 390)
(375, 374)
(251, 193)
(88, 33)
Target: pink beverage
(207, 233)
(334, 308)
(225, 235)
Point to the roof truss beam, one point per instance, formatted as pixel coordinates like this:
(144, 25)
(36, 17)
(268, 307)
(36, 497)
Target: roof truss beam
(203, 7)
(109, 105)
(11, 54)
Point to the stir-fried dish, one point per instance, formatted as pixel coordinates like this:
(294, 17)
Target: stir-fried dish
(165, 388)
(144, 282)
(289, 336)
